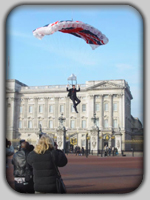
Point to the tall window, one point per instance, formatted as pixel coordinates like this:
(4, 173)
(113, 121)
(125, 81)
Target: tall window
(106, 123)
(97, 122)
(72, 124)
(20, 109)
(61, 108)
(72, 108)
(29, 124)
(40, 109)
(105, 97)
(83, 107)
(30, 109)
(106, 107)
(20, 124)
(114, 106)
(50, 124)
(40, 122)
(97, 106)
(83, 143)
(115, 124)
(51, 109)
(83, 123)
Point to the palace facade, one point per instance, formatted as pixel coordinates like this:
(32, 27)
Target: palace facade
(110, 100)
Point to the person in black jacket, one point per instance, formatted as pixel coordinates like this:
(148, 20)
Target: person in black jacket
(73, 97)
(22, 169)
(44, 172)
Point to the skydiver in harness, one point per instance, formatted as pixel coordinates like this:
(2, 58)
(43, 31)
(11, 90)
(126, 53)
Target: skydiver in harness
(73, 97)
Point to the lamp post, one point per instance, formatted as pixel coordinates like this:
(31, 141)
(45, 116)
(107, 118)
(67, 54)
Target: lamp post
(61, 120)
(94, 119)
(94, 135)
(40, 133)
(87, 138)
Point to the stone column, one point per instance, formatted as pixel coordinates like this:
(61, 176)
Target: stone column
(35, 125)
(56, 111)
(111, 111)
(101, 112)
(10, 118)
(16, 116)
(90, 109)
(78, 114)
(67, 111)
(25, 112)
(123, 111)
(46, 113)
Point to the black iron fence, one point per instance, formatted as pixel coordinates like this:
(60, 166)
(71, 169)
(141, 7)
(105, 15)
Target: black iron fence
(103, 153)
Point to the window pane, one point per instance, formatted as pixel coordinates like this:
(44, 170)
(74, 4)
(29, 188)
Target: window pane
(106, 106)
(82, 143)
(29, 124)
(115, 106)
(83, 107)
(105, 96)
(115, 123)
(97, 107)
(106, 123)
(97, 122)
(20, 109)
(61, 108)
(50, 124)
(83, 124)
(20, 124)
(72, 124)
(72, 108)
(51, 109)
(40, 122)
(30, 109)
(40, 109)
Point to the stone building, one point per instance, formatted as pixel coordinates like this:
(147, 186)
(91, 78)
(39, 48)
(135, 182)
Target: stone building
(110, 100)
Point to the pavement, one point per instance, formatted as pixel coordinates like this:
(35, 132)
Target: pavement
(97, 175)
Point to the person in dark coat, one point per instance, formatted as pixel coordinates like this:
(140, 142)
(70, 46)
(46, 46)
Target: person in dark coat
(82, 151)
(44, 172)
(73, 96)
(21, 169)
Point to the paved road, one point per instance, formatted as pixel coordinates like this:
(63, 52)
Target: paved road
(98, 174)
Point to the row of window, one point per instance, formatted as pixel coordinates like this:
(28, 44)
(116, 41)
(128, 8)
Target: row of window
(72, 123)
(51, 108)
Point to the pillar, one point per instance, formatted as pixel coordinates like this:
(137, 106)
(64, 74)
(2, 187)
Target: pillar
(94, 138)
(35, 125)
(56, 111)
(110, 111)
(101, 112)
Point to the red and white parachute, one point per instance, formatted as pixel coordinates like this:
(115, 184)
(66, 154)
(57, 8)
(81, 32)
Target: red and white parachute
(91, 35)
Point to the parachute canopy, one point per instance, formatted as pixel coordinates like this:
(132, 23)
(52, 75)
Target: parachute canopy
(91, 35)
(72, 79)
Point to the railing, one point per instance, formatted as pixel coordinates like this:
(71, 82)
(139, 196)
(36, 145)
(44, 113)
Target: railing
(101, 153)
(49, 87)
(130, 151)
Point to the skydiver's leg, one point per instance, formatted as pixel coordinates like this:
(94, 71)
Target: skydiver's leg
(78, 101)
(74, 104)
